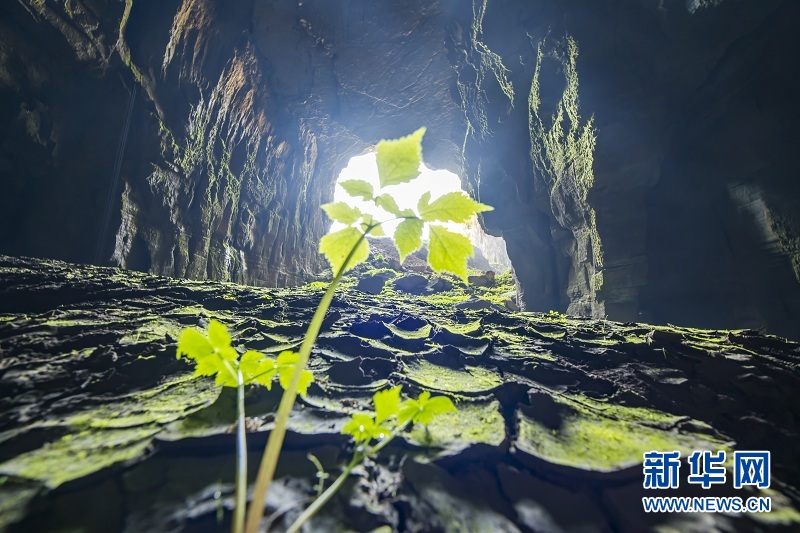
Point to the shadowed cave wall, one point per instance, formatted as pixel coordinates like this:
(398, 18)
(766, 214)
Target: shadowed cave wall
(245, 112)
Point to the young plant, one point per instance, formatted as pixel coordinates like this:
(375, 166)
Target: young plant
(214, 356)
(398, 162)
(388, 420)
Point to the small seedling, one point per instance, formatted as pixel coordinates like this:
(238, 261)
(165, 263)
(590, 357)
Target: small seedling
(398, 162)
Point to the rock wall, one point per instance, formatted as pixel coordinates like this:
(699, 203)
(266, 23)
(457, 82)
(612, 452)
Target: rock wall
(639, 154)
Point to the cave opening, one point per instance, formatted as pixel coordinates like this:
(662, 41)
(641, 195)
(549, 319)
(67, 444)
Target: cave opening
(490, 253)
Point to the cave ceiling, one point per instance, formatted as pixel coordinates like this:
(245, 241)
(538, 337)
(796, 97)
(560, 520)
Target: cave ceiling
(674, 201)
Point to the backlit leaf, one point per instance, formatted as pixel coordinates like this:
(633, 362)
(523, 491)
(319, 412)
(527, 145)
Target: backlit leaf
(257, 368)
(358, 188)
(336, 247)
(408, 237)
(399, 160)
(341, 212)
(194, 345)
(387, 403)
(370, 226)
(424, 409)
(451, 207)
(387, 202)
(448, 251)
(363, 428)
(286, 366)
(218, 335)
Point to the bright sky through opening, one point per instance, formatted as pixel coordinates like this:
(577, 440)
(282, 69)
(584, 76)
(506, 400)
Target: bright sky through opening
(438, 182)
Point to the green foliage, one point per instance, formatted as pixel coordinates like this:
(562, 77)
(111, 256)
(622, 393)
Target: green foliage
(214, 356)
(337, 247)
(392, 415)
(399, 159)
(398, 162)
(358, 188)
(448, 251)
(562, 149)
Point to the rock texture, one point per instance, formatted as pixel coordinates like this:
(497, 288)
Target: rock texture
(663, 189)
(103, 429)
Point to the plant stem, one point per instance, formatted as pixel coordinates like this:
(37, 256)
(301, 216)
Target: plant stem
(323, 498)
(266, 470)
(241, 458)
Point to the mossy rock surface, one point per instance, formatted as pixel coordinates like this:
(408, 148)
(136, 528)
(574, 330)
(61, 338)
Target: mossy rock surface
(102, 428)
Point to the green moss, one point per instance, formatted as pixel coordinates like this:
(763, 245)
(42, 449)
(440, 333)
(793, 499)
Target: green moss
(112, 433)
(604, 437)
(420, 333)
(472, 423)
(469, 380)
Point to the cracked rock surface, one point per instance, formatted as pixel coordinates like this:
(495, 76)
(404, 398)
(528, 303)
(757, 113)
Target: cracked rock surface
(103, 429)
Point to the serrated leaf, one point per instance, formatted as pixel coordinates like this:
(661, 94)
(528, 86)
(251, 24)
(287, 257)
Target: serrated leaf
(434, 407)
(341, 212)
(399, 160)
(336, 247)
(286, 367)
(209, 359)
(451, 207)
(408, 237)
(376, 231)
(387, 202)
(387, 403)
(424, 201)
(424, 409)
(218, 335)
(370, 226)
(209, 366)
(358, 188)
(408, 410)
(363, 428)
(194, 345)
(257, 368)
(448, 251)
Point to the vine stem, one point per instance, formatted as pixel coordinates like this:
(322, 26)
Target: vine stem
(269, 461)
(241, 458)
(323, 498)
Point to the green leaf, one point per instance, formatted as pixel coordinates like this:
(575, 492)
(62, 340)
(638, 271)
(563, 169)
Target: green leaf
(387, 403)
(337, 246)
(363, 428)
(451, 207)
(218, 335)
(210, 366)
(408, 237)
(376, 230)
(449, 251)
(257, 368)
(194, 345)
(286, 365)
(424, 409)
(399, 160)
(434, 407)
(341, 212)
(358, 188)
(387, 202)
(209, 353)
